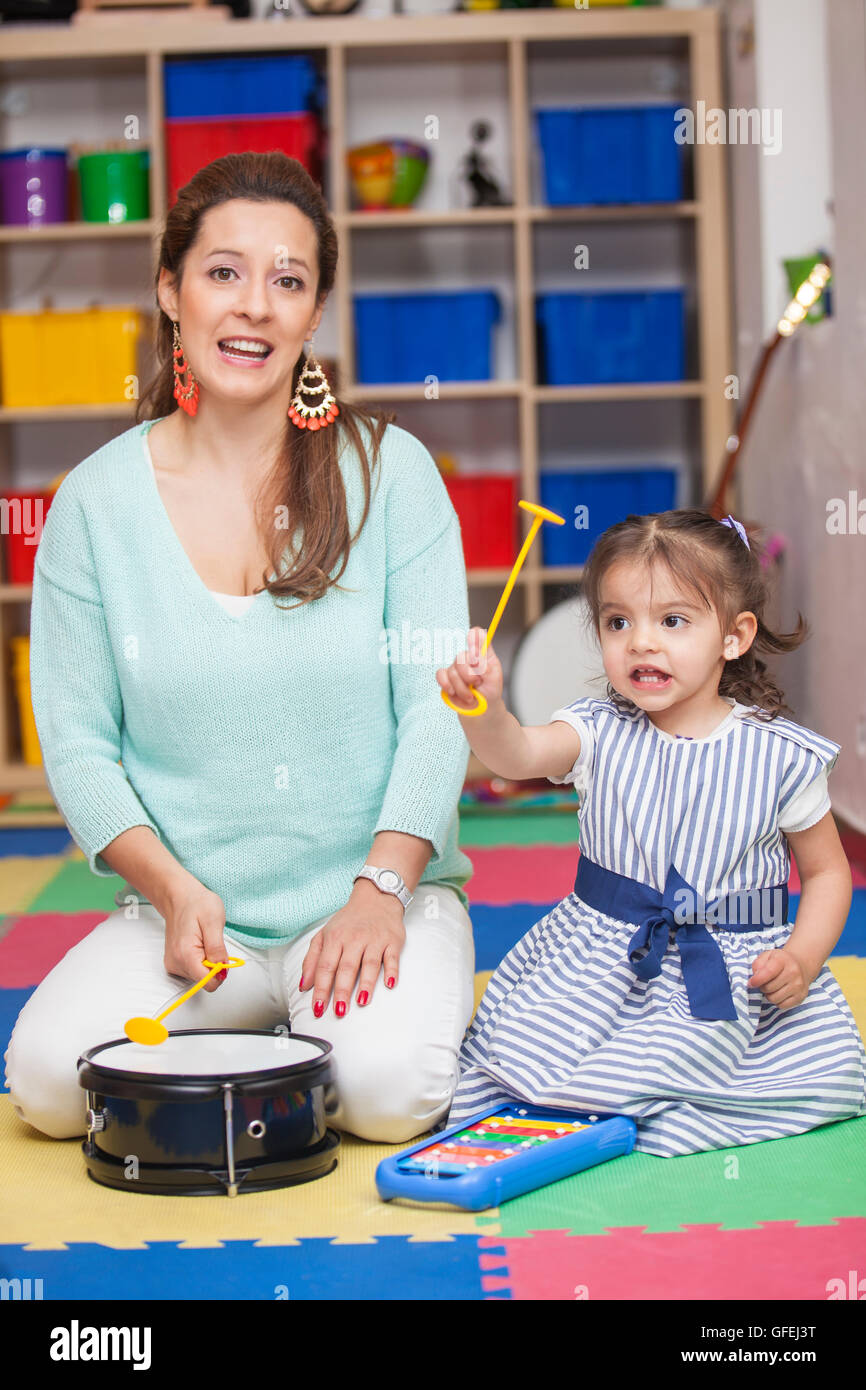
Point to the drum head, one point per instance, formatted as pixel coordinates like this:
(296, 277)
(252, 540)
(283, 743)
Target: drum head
(209, 1054)
(558, 660)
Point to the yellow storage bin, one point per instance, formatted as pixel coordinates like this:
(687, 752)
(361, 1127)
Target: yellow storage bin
(21, 678)
(68, 356)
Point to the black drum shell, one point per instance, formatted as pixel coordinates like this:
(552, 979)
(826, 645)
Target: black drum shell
(176, 1120)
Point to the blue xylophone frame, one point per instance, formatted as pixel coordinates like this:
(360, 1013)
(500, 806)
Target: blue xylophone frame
(608, 1136)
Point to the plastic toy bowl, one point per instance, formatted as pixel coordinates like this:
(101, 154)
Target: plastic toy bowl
(411, 162)
(372, 171)
(387, 173)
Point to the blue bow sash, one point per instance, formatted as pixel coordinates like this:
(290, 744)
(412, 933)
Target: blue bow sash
(681, 909)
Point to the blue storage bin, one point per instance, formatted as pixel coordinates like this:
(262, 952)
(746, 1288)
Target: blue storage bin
(270, 85)
(407, 337)
(610, 154)
(610, 336)
(610, 495)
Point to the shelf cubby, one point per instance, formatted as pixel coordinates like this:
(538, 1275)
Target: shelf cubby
(387, 78)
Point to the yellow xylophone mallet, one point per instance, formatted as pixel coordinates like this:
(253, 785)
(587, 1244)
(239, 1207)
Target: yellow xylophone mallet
(539, 514)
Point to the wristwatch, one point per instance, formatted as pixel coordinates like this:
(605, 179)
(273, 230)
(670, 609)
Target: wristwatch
(387, 881)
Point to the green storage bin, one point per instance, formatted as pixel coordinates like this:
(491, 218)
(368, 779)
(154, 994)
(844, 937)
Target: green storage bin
(115, 186)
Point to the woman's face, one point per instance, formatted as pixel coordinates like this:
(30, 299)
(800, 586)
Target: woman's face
(668, 629)
(251, 277)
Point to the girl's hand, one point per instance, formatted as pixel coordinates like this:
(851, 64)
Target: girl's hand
(194, 922)
(781, 977)
(470, 670)
(365, 936)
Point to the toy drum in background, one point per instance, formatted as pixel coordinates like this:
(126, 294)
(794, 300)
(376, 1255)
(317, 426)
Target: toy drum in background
(557, 660)
(208, 1111)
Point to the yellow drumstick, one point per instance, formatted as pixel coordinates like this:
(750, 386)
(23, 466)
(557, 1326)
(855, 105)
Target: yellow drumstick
(151, 1030)
(539, 514)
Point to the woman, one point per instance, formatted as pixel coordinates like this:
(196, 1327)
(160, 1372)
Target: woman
(270, 750)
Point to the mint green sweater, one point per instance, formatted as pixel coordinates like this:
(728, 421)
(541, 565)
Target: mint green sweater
(265, 750)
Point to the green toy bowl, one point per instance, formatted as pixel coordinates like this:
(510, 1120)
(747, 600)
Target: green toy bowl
(411, 162)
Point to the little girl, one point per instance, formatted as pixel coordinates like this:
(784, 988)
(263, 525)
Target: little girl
(670, 985)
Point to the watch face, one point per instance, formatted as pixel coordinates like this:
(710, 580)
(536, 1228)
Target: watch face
(389, 878)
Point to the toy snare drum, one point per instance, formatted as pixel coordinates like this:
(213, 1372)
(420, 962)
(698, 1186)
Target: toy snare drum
(210, 1110)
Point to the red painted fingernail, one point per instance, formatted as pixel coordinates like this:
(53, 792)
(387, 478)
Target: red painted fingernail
(390, 983)
(340, 1009)
(363, 997)
(222, 974)
(301, 985)
(318, 1008)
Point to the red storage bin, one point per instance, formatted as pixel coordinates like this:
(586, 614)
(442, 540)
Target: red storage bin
(190, 144)
(487, 507)
(19, 551)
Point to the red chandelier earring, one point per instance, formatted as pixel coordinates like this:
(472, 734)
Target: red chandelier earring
(313, 382)
(185, 393)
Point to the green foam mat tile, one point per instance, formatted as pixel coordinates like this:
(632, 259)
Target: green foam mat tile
(533, 828)
(75, 889)
(811, 1178)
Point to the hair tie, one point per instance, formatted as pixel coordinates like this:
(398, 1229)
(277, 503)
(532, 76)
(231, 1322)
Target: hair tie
(739, 528)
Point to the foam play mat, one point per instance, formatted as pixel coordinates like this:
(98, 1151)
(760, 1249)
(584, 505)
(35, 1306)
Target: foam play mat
(775, 1220)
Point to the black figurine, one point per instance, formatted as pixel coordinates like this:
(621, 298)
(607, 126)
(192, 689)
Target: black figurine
(485, 189)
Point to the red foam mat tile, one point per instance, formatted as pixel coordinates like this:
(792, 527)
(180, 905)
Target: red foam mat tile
(546, 874)
(777, 1260)
(36, 942)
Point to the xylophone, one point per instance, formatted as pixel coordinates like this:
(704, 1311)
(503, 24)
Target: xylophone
(501, 1153)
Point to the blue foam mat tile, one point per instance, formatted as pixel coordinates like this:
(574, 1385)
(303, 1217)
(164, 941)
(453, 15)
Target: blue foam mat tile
(393, 1268)
(12, 1001)
(852, 942)
(34, 840)
(498, 928)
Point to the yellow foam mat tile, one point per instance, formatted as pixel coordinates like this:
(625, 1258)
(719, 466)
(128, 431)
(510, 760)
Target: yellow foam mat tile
(481, 980)
(49, 1202)
(850, 972)
(22, 879)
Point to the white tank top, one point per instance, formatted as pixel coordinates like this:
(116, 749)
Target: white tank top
(236, 604)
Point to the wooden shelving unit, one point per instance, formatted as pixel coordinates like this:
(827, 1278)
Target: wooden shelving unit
(514, 38)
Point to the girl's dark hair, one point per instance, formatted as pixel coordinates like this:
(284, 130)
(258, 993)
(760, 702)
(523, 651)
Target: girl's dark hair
(713, 564)
(306, 478)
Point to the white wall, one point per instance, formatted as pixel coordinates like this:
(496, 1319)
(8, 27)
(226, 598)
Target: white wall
(806, 445)
(796, 183)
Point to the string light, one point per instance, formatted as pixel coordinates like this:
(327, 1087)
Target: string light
(807, 294)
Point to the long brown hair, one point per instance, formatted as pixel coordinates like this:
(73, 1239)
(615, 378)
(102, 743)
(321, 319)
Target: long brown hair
(306, 479)
(712, 562)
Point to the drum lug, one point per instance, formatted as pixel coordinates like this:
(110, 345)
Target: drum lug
(95, 1118)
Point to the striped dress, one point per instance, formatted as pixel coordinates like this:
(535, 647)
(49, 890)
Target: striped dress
(566, 1021)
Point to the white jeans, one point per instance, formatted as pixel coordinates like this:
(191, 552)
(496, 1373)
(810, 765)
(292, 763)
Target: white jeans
(395, 1058)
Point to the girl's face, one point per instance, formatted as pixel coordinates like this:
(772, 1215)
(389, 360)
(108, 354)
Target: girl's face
(668, 631)
(250, 276)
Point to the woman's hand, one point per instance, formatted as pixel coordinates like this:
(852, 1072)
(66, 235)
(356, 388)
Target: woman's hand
(366, 935)
(472, 671)
(194, 922)
(781, 977)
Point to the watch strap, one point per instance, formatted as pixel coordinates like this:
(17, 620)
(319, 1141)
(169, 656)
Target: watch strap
(374, 873)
